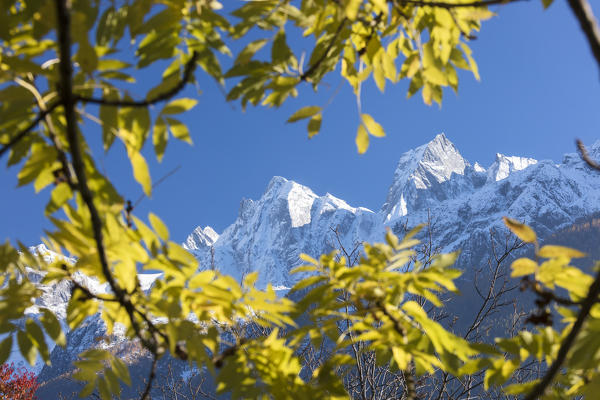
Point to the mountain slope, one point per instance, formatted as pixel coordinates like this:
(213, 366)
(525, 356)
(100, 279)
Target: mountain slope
(465, 201)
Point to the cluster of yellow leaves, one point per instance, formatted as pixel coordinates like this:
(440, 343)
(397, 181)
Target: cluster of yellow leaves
(189, 313)
(581, 375)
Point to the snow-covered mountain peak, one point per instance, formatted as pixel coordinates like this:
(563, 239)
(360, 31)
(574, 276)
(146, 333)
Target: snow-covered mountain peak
(426, 172)
(201, 238)
(298, 199)
(503, 166)
(439, 161)
(288, 219)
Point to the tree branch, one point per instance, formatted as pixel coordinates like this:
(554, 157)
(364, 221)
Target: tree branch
(586, 157)
(39, 118)
(228, 352)
(584, 14)
(190, 66)
(68, 100)
(320, 60)
(448, 6)
(586, 306)
(146, 393)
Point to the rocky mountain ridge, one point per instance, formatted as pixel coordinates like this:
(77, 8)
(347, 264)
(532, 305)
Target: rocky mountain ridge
(463, 200)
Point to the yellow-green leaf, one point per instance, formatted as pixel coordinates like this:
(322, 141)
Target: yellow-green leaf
(523, 266)
(304, 112)
(179, 105)
(160, 137)
(159, 227)
(553, 251)
(5, 348)
(362, 139)
(374, 128)
(141, 173)
(523, 232)
(179, 130)
(314, 125)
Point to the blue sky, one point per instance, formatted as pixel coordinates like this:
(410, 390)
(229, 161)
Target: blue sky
(539, 90)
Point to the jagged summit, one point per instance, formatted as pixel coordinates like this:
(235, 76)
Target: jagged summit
(503, 166)
(436, 172)
(428, 168)
(440, 159)
(288, 219)
(201, 238)
(434, 179)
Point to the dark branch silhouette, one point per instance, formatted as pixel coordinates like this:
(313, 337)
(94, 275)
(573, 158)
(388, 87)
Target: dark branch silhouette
(19, 136)
(188, 71)
(584, 312)
(446, 5)
(584, 14)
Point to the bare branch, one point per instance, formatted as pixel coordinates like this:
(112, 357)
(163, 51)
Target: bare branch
(19, 136)
(146, 393)
(584, 14)
(228, 352)
(448, 6)
(586, 157)
(68, 100)
(586, 306)
(190, 66)
(320, 60)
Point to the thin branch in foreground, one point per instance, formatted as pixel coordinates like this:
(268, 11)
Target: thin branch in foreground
(155, 185)
(146, 393)
(189, 69)
(584, 312)
(19, 136)
(566, 345)
(584, 14)
(68, 100)
(448, 6)
(585, 156)
(320, 60)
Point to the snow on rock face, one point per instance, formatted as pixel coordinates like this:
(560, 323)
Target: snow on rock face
(427, 175)
(464, 202)
(289, 219)
(434, 179)
(505, 165)
(200, 238)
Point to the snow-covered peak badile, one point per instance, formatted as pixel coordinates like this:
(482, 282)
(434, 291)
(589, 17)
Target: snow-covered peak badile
(439, 161)
(503, 166)
(201, 238)
(289, 219)
(425, 174)
(298, 199)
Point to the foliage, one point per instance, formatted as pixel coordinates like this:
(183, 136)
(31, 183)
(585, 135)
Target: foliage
(61, 62)
(17, 384)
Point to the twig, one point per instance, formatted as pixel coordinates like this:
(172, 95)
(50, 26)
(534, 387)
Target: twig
(190, 66)
(68, 100)
(584, 14)
(320, 60)
(228, 352)
(155, 184)
(39, 118)
(586, 157)
(448, 6)
(146, 394)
